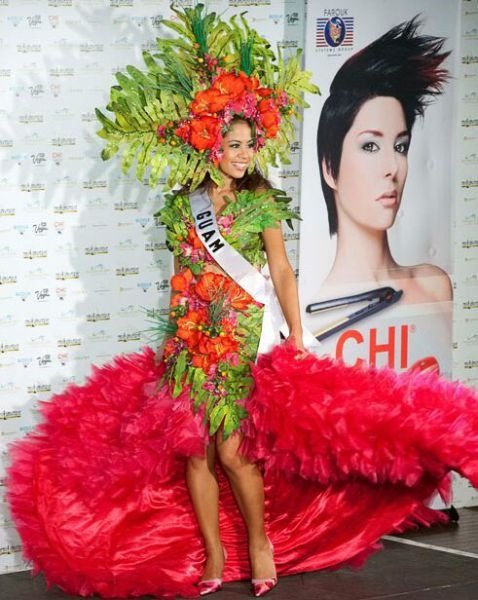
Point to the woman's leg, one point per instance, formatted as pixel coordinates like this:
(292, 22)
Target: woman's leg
(248, 488)
(204, 492)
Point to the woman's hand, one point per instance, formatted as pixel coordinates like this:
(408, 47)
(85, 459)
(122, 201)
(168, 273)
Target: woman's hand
(296, 339)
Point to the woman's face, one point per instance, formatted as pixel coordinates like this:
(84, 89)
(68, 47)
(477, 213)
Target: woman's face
(238, 150)
(373, 166)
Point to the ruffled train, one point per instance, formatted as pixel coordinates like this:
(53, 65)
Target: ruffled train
(349, 454)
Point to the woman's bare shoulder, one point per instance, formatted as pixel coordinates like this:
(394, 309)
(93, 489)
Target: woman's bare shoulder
(434, 281)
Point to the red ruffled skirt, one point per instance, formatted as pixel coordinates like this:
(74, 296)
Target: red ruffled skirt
(349, 454)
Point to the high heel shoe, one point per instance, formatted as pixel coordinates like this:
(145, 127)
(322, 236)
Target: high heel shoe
(262, 586)
(210, 586)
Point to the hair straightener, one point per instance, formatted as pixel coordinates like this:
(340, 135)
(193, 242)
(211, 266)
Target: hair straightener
(379, 299)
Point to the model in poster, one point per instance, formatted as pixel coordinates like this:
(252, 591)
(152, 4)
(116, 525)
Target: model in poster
(364, 134)
(133, 484)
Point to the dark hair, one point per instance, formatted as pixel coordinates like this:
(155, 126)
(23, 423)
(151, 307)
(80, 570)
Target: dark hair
(400, 64)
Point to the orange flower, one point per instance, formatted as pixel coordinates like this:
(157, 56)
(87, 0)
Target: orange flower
(209, 101)
(237, 297)
(188, 326)
(251, 83)
(204, 132)
(269, 116)
(193, 239)
(270, 120)
(181, 281)
(219, 345)
(210, 285)
(230, 85)
(203, 361)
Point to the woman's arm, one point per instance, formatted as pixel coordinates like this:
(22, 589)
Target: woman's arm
(284, 281)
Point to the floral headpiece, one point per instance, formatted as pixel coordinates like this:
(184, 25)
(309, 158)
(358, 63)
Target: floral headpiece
(176, 112)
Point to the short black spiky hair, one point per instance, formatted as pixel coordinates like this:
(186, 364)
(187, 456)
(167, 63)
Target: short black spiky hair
(402, 64)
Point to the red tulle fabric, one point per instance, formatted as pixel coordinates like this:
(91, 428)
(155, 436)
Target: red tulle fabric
(98, 490)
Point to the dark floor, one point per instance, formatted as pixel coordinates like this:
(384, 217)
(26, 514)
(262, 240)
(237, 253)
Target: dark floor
(432, 570)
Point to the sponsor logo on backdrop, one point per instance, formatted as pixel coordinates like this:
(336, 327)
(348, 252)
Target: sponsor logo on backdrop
(126, 205)
(34, 254)
(95, 317)
(68, 342)
(93, 184)
(64, 275)
(62, 71)
(335, 30)
(250, 2)
(7, 348)
(60, 3)
(28, 48)
(92, 48)
(44, 360)
(37, 322)
(10, 414)
(29, 118)
(94, 250)
(34, 21)
(8, 279)
(61, 209)
(42, 295)
(288, 44)
(121, 3)
(39, 388)
(7, 212)
(156, 20)
(134, 336)
(126, 271)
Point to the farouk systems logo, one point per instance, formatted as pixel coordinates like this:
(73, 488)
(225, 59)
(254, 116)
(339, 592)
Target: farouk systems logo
(335, 29)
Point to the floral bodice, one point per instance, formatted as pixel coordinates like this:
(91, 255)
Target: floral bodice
(214, 325)
(241, 222)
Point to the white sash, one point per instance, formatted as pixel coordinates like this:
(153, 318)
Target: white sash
(244, 274)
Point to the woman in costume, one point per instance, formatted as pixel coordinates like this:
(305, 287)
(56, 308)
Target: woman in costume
(99, 490)
(207, 310)
(365, 127)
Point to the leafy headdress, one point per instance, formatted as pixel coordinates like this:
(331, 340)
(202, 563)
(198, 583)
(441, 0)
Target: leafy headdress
(175, 113)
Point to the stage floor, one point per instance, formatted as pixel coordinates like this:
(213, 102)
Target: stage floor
(440, 563)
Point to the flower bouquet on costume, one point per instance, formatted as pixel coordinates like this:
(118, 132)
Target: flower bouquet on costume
(201, 353)
(175, 113)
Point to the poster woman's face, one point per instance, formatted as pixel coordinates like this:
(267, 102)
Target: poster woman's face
(373, 166)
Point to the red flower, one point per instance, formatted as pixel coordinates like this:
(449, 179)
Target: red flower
(204, 132)
(183, 131)
(263, 92)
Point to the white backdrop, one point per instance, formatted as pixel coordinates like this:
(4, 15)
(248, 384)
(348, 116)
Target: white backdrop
(81, 259)
(82, 262)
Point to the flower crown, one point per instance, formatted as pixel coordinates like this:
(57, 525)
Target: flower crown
(176, 112)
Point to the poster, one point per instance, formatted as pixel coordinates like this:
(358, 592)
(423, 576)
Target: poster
(375, 277)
